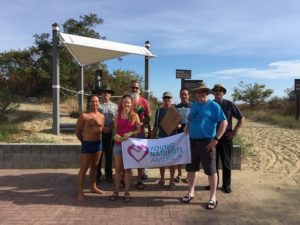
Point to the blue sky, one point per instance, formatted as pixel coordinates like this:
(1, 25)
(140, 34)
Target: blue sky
(221, 41)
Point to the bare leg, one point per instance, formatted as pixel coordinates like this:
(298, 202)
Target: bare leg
(85, 160)
(179, 173)
(213, 179)
(139, 177)
(192, 182)
(93, 172)
(127, 180)
(162, 174)
(172, 173)
(118, 171)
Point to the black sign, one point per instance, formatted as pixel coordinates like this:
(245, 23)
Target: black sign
(297, 86)
(183, 74)
(190, 85)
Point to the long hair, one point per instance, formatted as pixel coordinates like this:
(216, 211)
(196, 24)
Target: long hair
(132, 116)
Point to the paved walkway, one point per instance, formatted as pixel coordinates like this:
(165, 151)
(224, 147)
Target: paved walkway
(44, 197)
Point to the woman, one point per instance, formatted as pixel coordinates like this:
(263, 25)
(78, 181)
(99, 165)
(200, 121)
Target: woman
(159, 115)
(127, 124)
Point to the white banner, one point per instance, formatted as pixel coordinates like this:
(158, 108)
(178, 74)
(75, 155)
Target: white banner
(146, 153)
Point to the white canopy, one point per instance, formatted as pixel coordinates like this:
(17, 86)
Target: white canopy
(90, 50)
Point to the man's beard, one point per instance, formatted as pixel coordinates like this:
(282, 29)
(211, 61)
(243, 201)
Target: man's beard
(136, 97)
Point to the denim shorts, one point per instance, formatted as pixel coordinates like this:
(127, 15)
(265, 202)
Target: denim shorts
(117, 149)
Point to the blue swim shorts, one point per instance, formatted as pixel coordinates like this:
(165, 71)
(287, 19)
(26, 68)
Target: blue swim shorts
(91, 146)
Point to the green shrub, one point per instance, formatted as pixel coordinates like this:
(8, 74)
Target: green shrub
(7, 101)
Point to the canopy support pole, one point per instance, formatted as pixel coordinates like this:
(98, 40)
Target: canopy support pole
(80, 90)
(55, 79)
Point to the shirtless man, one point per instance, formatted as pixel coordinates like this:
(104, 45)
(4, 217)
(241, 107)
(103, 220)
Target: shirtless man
(88, 130)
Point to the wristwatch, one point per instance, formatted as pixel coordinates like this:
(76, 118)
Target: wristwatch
(215, 138)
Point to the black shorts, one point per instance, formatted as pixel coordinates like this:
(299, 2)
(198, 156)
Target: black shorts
(199, 154)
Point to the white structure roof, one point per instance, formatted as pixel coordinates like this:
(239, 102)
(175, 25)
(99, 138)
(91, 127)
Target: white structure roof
(90, 50)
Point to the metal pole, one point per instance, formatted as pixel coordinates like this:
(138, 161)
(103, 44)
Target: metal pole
(182, 82)
(80, 89)
(55, 79)
(147, 91)
(297, 106)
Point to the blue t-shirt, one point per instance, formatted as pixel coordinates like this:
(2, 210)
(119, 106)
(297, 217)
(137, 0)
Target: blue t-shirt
(203, 119)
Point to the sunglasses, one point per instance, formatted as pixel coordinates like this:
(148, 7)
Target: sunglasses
(135, 88)
(218, 90)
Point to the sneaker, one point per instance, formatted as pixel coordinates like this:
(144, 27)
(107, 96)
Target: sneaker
(177, 179)
(161, 183)
(144, 175)
(140, 185)
(172, 186)
(226, 189)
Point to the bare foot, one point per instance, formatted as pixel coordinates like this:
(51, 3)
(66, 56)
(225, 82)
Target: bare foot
(80, 197)
(97, 191)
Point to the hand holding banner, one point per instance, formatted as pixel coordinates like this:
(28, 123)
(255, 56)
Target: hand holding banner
(146, 153)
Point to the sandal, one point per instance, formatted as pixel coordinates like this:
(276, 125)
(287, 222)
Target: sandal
(140, 185)
(177, 179)
(127, 198)
(212, 204)
(114, 196)
(187, 198)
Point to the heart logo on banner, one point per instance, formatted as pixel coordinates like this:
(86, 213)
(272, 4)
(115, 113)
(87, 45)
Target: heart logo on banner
(138, 152)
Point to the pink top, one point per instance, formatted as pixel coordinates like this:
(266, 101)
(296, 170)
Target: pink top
(142, 109)
(124, 126)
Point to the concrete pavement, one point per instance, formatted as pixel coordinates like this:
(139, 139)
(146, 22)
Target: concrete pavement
(47, 196)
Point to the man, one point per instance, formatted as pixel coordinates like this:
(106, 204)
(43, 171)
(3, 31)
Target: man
(160, 132)
(141, 107)
(225, 144)
(203, 119)
(109, 110)
(184, 109)
(88, 131)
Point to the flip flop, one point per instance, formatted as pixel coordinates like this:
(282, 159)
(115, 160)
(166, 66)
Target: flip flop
(187, 198)
(212, 204)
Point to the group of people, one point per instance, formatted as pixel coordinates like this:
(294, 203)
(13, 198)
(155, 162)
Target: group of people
(208, 123)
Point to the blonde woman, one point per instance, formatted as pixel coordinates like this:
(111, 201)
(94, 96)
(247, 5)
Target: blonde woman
(127, 124)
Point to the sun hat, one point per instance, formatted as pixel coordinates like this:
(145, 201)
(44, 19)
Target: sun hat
(167, 94)
(220, 86)
(201, 86)
(106, 87)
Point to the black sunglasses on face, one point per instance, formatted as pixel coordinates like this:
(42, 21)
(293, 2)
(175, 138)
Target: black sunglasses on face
(218, 90)
(135, 88)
